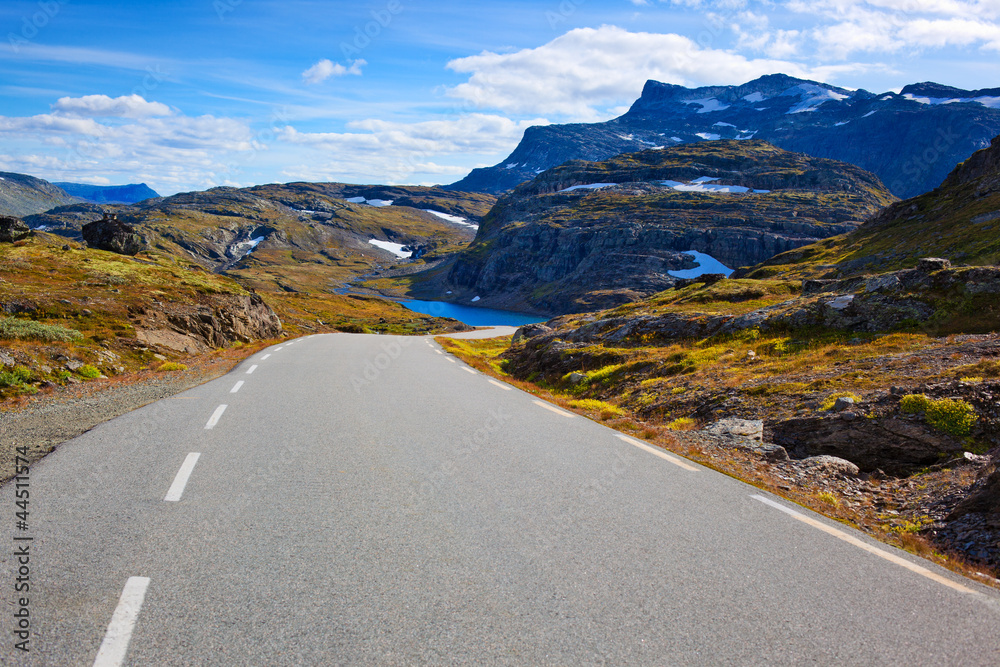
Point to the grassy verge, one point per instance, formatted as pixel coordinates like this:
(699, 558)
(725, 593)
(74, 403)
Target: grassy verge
(484, 355)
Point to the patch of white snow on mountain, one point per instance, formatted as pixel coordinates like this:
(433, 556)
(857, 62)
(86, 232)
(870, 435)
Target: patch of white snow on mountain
(753, 98)
(510, 166)
(592, 186)
(380, 202)
(844, 122)
(869, 113)
(676, 139)
(708, 136)
(721, 124)
(249, 246)
(708, 105)
(356, 200)
(474, 299)
(746, 134)
(704, 179)
(395, 248)
(986, 101)
(706, 264)
(811, 96)
(458, 220)
(626, 137)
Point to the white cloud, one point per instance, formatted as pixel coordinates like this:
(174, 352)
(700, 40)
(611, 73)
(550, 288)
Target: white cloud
(102, 106)
(325, 68)
(583, 71)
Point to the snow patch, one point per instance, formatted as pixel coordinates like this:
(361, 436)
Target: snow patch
(844, 122)
(706, 264)
(458, 220)
(247, 247)
(811, 96)
(754, 98)
(746, 134)
(869, 113)
(708, 136)
(39, 228)
(356, 200)
(370, 202)
(626, 137)
(395, 248)
(676, 139)
(721, 124)
(475, 299)
(510, 166)
(708, 105)
(986, 101)
(592, 186)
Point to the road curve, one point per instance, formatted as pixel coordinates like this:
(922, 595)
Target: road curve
(369, 499)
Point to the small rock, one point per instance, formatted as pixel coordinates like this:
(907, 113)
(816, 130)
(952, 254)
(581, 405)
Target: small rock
(931, 264)
(13, 229)
(576, 378)
(843, 403)
(530, 331)
(74, 365)
(848, 416)
(160, 357)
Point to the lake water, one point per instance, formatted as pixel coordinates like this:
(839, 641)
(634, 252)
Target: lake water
(474, 317)
(706, 264)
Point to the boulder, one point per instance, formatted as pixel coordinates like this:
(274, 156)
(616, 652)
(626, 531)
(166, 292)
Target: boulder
(984, 500)
(13, 229)
(897, 446)
(829, 465)
(113, 235)
(843, 403)
(747, 428)
(530, 331)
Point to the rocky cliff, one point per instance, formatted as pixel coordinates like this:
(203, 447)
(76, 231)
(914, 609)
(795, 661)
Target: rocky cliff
(910, 140)
(957, 221)
(589, 235)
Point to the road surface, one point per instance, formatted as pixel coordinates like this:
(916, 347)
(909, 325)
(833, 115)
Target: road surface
(347, 499)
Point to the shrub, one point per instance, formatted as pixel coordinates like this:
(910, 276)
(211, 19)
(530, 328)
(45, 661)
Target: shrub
(606, 409)
(831, 400)
(172, 366)
(12, 327)
(15, 376)
(913, 403)
(683, 424)
(954, 417)
(88, 372)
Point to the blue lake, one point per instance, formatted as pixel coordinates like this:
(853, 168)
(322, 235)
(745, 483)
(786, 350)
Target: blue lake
(706, 264)
(474, 317)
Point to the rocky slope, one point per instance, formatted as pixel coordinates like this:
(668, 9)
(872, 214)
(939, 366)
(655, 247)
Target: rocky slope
(589, 235)
(109, 194)
(22, 195)
(910, 140)
(957, 221)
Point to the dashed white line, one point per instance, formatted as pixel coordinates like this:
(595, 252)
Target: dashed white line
(451, 360)
(850, 539)
(501, 385)
(656, 451)
(265, 357)
(439, 351)
(236, 387)
(469, 370)
(251, 369)
(543, 404)
(278, 349)
(216, 416)
(180, 481)
(119, 633)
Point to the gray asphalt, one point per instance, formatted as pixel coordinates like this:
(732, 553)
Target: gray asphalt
(369, 500)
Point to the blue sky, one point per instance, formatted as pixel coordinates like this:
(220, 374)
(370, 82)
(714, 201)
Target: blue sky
(188, 94)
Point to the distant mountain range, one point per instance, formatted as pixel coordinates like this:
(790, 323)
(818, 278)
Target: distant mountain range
(22, 195)
(911, 140)
(110, 194)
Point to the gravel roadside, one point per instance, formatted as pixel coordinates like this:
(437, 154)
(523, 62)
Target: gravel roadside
(52, 417)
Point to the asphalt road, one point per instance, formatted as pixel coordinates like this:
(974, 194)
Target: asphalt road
(371, 500)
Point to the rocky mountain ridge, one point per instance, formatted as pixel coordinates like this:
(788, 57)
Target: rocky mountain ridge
(910, 139)
(589, 235)
(109, 194)
(22, 195)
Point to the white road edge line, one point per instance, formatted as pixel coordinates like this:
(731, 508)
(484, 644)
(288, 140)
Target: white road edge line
(451, 360)
(543, 404)
(216, 416)
(236, 387)
(439, 351)
(501, 385)
(656, 451)
(180, 481)
(119, 633)
(278, 349)
(881, 553)
(469, 370)
(265, 357)
(251, 369)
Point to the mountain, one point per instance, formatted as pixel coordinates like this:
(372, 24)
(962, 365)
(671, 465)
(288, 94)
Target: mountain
(22, 195)
(590, 235)
(111, 194)
(958, 221)
(910, 140)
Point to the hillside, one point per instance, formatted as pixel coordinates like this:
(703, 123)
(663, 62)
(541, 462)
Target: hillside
(589, 235)
(910, 140)
(22, 195)
(957, 221)
(111, 194)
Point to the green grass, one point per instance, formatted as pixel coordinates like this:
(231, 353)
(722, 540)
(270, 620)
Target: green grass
(88, 372)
